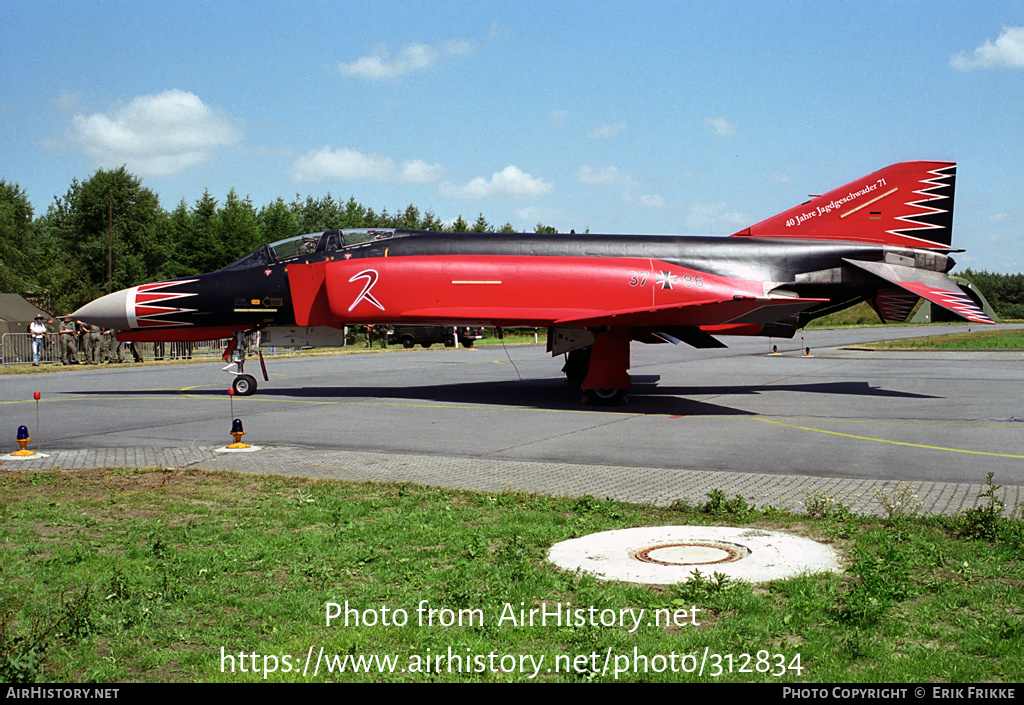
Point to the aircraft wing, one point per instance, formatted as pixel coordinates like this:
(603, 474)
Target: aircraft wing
(933, 286)
(710, 312)
(739, 310)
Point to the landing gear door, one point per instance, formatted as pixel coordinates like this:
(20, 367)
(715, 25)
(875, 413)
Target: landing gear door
(562, 340)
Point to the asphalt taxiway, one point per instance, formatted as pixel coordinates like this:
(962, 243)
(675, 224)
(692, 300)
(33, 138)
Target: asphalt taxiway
(769, 427)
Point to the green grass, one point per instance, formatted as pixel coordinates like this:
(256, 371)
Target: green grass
(975, 340)
(145, 575)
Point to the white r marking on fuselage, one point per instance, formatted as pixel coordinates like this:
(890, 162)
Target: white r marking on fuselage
(370, 275)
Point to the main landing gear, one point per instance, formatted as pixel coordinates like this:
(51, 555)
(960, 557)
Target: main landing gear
(243, 384)
(605, 397)
(600, 370)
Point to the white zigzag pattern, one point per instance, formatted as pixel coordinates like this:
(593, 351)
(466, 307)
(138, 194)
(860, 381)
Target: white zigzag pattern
(938, 181)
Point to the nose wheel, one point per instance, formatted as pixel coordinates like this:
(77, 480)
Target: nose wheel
(244, 385)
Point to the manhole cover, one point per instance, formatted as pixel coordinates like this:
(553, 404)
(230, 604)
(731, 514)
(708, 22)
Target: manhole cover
(705, 553)
(664, 555)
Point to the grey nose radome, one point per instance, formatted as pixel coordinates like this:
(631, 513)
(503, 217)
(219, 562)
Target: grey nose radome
(110, 311)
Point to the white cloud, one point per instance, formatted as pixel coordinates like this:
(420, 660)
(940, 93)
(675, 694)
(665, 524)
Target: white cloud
(1003, 218)
(608, 130)
(510, 181)
(418, 171)
(606, 176)
(349, 164)
(155, 135)
(720, 126)
(782, 178)
(648, 200)
(413, 57)
(709, 217)
(652, 200)
(557, 117)
(1006, 53)
(342, 164)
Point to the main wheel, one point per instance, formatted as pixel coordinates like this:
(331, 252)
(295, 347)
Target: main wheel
(244, 385)
(604, 397)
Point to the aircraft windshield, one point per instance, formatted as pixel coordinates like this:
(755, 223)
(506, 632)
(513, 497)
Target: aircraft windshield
(326, 241)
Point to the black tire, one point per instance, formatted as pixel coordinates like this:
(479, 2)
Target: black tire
(604, 397)
(449, 341)
(408, 342)
(426, 345)
(244, 385)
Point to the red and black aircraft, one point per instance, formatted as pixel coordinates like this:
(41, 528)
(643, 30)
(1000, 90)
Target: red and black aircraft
(884, 238)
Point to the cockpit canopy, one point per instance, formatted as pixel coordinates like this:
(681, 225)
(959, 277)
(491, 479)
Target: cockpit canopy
(311, 243)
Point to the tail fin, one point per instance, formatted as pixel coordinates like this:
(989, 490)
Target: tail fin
(909, 204)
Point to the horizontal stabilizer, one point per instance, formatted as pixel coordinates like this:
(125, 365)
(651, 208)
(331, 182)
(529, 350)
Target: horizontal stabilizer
(933, 286)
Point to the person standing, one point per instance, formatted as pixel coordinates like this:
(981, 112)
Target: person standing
(37, 332)
(108, 345)
(68, 351)
(95, 345)
(83, 343)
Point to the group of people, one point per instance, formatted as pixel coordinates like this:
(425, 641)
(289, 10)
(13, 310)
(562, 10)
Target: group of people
(97, 345)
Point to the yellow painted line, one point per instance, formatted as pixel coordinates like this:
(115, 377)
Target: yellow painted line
(896, 443)
(75, 397)
(906, 423)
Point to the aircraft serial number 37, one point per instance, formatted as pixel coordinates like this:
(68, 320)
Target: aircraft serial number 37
(884, 239)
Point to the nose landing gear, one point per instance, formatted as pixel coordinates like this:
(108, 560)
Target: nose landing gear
(243, 384)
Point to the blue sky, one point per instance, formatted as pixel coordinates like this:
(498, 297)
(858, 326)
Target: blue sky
(632, 117)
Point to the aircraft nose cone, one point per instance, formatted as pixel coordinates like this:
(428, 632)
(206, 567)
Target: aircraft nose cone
(110, 311)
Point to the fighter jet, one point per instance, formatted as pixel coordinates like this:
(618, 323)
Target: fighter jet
(884, 238)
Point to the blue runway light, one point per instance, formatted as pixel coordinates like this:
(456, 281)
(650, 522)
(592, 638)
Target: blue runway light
(22, 433)
(237, 432)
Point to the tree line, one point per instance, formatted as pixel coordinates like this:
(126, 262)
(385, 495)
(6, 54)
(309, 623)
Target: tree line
(1005, 292)
(63, 253)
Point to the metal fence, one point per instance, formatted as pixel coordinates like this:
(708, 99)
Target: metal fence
(16, 349)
